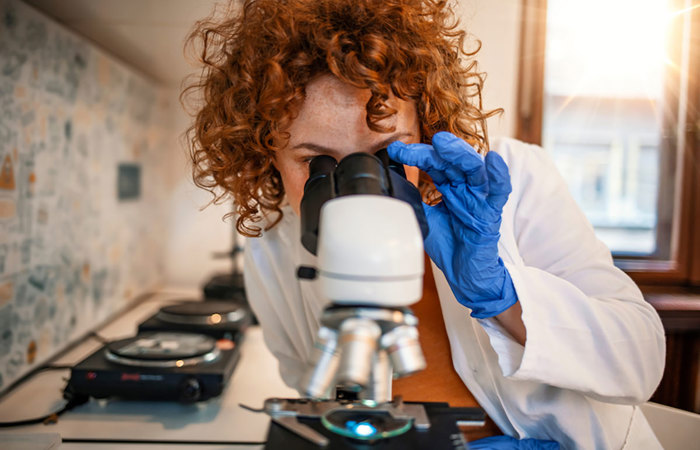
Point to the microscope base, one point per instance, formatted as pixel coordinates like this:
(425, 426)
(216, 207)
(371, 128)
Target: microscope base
(443, 432)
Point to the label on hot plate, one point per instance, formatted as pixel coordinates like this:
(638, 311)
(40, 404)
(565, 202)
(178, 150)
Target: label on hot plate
(141, 377)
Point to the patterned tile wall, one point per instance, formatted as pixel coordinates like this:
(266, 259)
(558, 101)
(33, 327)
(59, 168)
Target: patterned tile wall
(71, 252)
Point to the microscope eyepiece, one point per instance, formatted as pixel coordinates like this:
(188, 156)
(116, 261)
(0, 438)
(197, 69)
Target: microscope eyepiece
(318, 189)
(361, 174)
(320, 167)
(389, 163)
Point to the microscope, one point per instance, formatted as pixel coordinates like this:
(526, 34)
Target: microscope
(365, 222)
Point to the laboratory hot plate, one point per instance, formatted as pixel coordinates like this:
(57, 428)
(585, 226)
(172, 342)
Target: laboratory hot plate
(219, 319)
(168, 365)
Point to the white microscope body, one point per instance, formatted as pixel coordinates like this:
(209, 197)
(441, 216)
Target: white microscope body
(370, 251)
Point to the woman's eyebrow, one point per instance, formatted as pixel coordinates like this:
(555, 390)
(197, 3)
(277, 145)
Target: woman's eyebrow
(313, 147)
(330, 151)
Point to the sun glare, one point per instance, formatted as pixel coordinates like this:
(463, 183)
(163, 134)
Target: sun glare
(603, 48)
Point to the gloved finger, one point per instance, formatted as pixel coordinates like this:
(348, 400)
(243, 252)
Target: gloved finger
(494, 443)
(460, 155)
(499, 181)
(467, 206)
(422, 156)
(442, 143)
(439, 243)
(537, 444)
(509, 443)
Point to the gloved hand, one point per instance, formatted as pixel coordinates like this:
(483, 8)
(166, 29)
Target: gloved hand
(464, 226)
(509, 443)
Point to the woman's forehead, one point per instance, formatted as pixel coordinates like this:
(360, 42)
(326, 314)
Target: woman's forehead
(331, 89)
(333, 110)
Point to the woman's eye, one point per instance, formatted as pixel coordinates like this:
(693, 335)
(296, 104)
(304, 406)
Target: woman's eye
(308, 159)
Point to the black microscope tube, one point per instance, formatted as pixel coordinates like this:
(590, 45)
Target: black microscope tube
(361, 174)
(318, 189)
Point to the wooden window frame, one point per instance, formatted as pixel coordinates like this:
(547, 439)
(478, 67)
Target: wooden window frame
(683, 266)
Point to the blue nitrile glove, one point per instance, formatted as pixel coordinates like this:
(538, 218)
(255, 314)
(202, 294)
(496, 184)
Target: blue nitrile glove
(509, 443)
(464, 226)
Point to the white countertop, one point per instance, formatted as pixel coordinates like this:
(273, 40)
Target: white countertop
(221, 419)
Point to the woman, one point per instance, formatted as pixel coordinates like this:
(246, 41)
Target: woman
(553, 341)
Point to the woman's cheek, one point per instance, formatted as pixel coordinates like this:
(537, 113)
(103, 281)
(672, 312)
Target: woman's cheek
(295, 190)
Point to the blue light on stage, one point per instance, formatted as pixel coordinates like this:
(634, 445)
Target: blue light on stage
(363, 429)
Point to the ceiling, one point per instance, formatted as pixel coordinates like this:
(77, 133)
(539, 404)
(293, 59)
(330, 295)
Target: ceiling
(146, 34)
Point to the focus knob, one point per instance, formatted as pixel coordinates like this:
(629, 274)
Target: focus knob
(190, 390)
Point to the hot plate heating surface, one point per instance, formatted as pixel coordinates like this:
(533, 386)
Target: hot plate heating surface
(165, 346)
(219, 319)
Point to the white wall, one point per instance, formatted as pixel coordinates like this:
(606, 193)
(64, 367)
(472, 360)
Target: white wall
(496, 23)
(194, 233)
(77, 127)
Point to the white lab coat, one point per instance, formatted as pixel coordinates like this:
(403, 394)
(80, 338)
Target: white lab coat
(595, 348)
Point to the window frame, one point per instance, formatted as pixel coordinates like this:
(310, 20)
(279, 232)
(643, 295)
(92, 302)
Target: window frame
(683, 265)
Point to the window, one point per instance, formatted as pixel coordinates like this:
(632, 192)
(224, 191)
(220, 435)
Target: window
(610, 90)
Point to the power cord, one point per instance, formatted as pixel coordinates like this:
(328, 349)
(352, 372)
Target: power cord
(73, 401)
(72, 398)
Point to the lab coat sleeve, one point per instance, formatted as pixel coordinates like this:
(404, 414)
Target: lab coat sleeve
(269, 302)
(588, 327)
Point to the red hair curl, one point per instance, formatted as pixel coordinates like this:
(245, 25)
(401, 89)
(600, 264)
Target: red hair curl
(258, 61)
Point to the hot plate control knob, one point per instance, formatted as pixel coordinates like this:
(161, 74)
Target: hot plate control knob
(190, 390)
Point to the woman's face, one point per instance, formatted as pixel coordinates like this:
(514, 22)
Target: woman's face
(332, 121)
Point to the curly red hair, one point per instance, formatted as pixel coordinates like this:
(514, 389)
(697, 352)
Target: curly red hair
(258, 61)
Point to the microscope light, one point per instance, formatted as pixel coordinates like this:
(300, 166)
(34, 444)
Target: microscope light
(362, 429)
